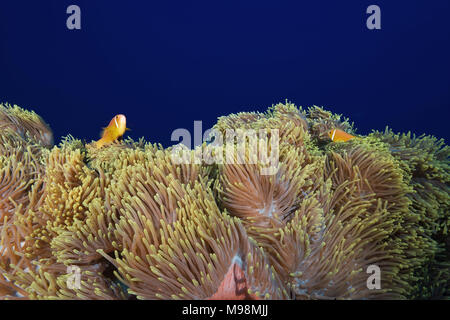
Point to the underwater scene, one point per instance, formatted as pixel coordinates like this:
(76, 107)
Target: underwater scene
(139, 221)
(250, 151)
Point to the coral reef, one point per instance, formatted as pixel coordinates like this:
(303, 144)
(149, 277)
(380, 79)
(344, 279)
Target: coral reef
(136, 224)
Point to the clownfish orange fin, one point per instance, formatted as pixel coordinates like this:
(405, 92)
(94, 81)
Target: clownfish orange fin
(98, 144)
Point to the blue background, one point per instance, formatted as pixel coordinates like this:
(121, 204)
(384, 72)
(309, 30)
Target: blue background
(165, 64)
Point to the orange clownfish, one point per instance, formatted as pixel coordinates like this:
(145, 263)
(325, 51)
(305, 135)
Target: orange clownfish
(116, 128)
(337, 135)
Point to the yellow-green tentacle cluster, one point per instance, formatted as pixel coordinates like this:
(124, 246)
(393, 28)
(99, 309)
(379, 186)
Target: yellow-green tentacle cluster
(135, 223)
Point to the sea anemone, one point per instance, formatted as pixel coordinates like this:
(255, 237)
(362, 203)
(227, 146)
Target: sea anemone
(321, 121)
(27, 124)
(132, 221)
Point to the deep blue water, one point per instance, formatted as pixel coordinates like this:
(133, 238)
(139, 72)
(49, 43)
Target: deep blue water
(165, 64)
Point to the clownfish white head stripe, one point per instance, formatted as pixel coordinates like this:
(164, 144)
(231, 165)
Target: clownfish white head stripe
(332, 137)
